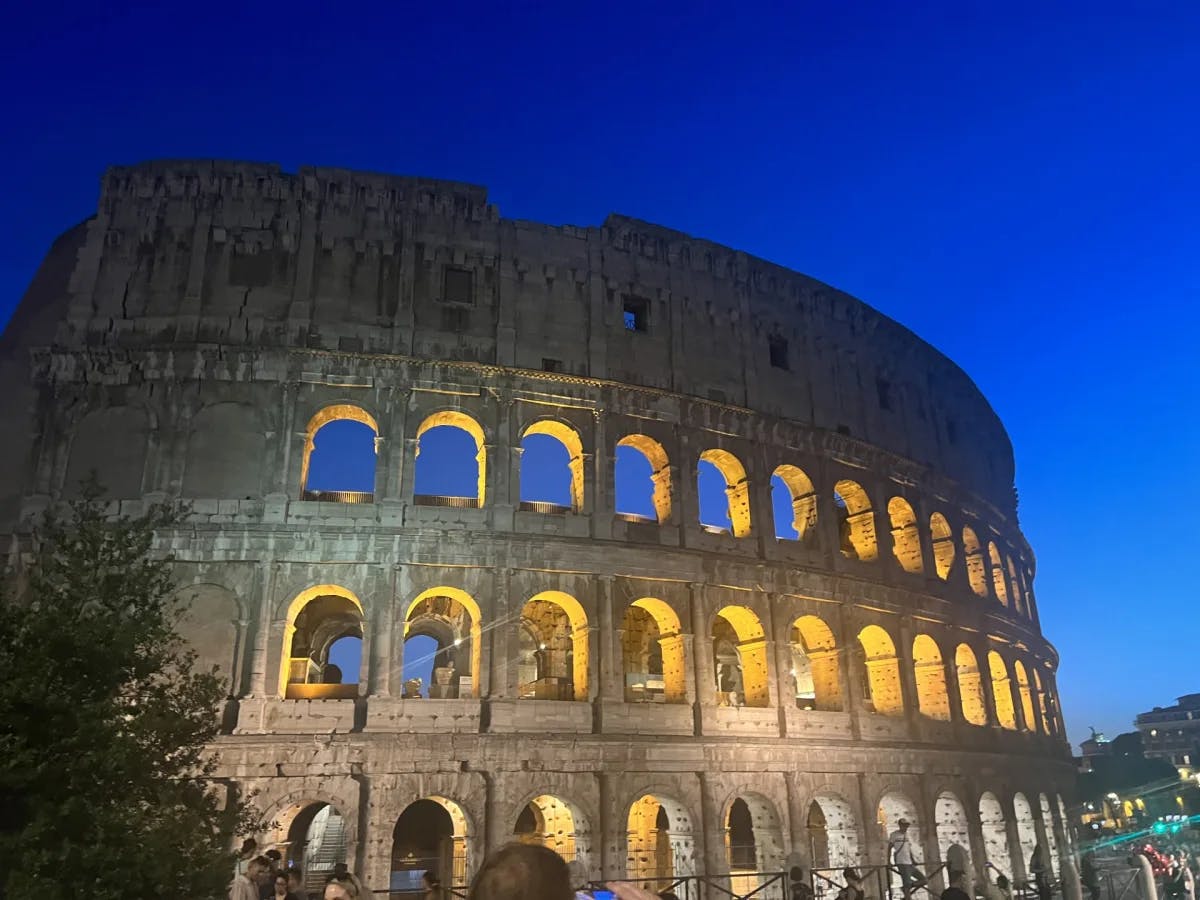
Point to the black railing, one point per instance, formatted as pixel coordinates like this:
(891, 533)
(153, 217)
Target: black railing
(451, 502)
(541, 506)
(339, 496)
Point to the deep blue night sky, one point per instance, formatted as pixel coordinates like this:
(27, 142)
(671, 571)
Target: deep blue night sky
(1019, 185)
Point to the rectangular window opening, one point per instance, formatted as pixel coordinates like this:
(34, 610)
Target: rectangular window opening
(778, 352)
(883, 388)
(458, 285)
(551, 365)
(636, 313)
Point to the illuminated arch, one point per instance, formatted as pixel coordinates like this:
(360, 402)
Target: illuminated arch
(906, 540)
(558, 624)
(815, 665)
(856, 521)
(894, 806)
(660, 472)
(832, 832)
(804, 500)
(1051, 838)
(952, 829)
(338, 412)
(737, 488)
(460, 420)
(660, 844)
(652, 651)
(1026, 828)
(1014, 582)
(1041, 701)
(1026, 695)
(740, 658)
(881, 672)
(970, 686)
(552, 822)
(753, 840)
(976, 570)
(453, 618)
(995, 834)
(943, 545)
(1002, 691)
(304, 674)
(411, 841)
(998, 582)
(933, 700)
(567, 436)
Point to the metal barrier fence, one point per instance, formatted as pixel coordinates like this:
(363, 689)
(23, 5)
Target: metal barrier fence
(878, 883)
(734, 886)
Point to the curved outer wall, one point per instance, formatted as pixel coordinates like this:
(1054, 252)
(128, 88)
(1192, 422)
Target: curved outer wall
(195, 326)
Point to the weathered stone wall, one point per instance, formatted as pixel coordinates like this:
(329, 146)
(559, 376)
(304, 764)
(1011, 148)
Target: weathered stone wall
(214, 312)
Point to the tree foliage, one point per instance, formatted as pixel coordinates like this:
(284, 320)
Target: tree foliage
(104, 779)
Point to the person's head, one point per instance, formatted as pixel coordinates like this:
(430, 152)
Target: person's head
(902, 824)
(257, 868)
(295, 879)
(282, 885)
(340, 870)
(342, 886)
(522, 872)
(850, 875)
(273, 857)
(1002, 882)
(958, 879)
(249, 848)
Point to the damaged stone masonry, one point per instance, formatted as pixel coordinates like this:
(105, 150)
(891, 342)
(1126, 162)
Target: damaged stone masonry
(646, 694)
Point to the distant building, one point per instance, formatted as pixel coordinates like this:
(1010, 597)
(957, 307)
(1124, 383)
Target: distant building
(1095, 746)
(1172, 733)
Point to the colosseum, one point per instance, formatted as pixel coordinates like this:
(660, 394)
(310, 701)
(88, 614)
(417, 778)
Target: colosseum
(658, 685)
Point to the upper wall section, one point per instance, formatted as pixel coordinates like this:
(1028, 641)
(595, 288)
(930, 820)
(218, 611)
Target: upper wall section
(243, 253)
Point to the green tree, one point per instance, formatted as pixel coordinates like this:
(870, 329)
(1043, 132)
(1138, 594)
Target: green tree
(105, 781)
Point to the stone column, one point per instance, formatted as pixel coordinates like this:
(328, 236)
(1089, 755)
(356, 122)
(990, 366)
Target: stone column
(385, 675)
(611, 657)
(258, 662)
(706, 688)
(502, 640)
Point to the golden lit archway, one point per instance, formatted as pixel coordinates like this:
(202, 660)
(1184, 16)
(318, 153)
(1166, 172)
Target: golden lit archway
(452, 618)
(943, 545)
(740, 658)
(431, 834)
(880, 672)
(933, 700)
(660, 844)
(815, 665)
(338, 412)
(737, 488)
(463, 422)
(1026, 695)
(970, 686)
(552, 822)
(660, 472)
(1014, 582)
(653, 653)
(804, 500)
(906, 540)
(976, 569)
(569, 438)
(998, 583)
(316, 618)
(1041, 701)
(554, 652)
(1002, 696)
(856, 521)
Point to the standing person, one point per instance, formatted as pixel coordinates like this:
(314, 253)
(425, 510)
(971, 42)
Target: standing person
(282, 889)
(522, 872)
(956, 891)
(295, 880)
(245, 885)
(432, 885)
(854, 887)
(343, 885)
(1089, 875)
(902, 858)
(1040, 870)
(1174, 885)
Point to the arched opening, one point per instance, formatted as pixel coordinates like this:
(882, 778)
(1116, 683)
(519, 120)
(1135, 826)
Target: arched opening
(724, 493)
(894, 807)
(815, 665)
(740, 658)
(995, 834)
(1018, 598)
(1026, 695)
(553, 663)
(880, 672)
(660, 844)
(316, 843)
(794, 504)
(906, 539)
(442, 645)
(642, 475)
(856, 521)
(970, 686)
(933, 700)
(652, 653)
(430, 836)
(1026, 829)
(998, 583)
(549, 821)
(340, 447)
(943, 545)
(753, 842)
(1051, 837)
(450, 468)
(551, 468)
(1002, 696)
(953, 836)
(832, 833)
(322, 645)
(976, 570)
(1041, 702)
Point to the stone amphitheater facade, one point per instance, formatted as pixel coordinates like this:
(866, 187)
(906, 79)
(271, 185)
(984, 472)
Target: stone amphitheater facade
(647, 695)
